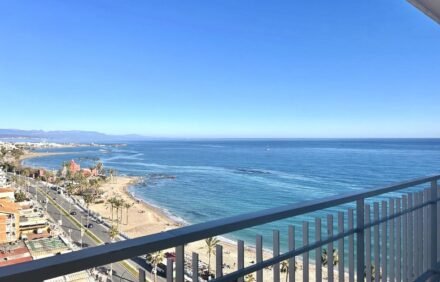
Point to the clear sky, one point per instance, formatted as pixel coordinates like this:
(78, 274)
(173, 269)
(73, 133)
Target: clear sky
(366, 68)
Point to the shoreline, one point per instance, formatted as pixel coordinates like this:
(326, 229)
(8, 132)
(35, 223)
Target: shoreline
(167, 221)
(32, 155)
(146, 219)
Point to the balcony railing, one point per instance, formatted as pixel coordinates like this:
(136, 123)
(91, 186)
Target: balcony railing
(387, 233)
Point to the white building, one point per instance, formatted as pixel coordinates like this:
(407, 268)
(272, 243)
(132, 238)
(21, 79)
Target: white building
(3, 179)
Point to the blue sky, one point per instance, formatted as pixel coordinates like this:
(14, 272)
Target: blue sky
(366, 68)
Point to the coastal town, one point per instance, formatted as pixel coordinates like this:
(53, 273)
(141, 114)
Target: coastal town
(34, 224)
(49, 212)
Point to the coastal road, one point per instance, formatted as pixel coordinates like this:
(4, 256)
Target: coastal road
(120, 271)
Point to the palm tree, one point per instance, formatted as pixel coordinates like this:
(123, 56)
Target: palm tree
(110, 172)
(112, 233)
(122, 208)
(154, 259)
(118, 205)
(285, 268)
(211, 242)
(112, 202)
(249, 278)
(88, 199)
(70, 189)
(127, 206)
(324, 257)
(99, 167)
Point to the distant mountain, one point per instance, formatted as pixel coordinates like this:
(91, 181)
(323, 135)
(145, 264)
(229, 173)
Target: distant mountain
(74, 136)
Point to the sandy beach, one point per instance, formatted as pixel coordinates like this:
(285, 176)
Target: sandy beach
(31, 155)
(144, 219)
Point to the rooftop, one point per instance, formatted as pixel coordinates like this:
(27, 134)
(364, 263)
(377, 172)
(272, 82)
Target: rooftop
(47, 247)
(6, 206)
(3, 190)
(13, 254)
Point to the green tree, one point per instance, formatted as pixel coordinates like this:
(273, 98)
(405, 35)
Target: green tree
(127, 206)
(118, 206)
(285, 268)
(99, 167)
(154, 259)
(20, 196)
(111, 202)
(249, 278)
(211, 242)
(88, 199)
(324, 257)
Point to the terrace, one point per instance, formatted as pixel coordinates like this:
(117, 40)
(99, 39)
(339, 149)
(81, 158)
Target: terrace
(388, 232)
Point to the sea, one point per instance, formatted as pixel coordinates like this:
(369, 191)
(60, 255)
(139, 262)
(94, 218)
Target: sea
(196, 181)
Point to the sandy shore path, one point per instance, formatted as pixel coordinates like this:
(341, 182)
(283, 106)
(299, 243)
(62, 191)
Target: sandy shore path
(144, 219)
(31, 155)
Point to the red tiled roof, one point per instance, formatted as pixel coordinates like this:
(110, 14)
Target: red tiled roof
(3, 190)
(15, 261)
(6, 206)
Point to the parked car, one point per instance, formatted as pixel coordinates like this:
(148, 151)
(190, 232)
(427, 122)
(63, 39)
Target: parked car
(90, 225)
(73, 213)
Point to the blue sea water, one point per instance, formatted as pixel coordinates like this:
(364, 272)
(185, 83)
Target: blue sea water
(202, 180)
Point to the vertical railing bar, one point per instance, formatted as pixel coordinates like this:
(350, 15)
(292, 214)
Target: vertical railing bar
(420, 229)
(384, 209)
(259, 250)
(276, 252)
(180, 264)
(330, 272)
(292, 263)
(398, 242)
(438, 223)
(360, 246)
(318, 251)
(433, 233)
(422, 237)
(376, 242)
(416, 236)
(411, 245)
(170, 270)
(240, 257)
(341, 270)
(425, 231)
(306, 254)
(350, 246)
(367, 245)
(195, 267)
(218, 261)
(392, 242)
(429, 226)
(405, 239)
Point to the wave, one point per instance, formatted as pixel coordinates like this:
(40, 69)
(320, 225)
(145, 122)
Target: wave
(124, 157)
(158, 207)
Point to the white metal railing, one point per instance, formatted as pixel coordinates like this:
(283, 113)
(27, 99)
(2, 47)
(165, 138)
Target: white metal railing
(394, 239)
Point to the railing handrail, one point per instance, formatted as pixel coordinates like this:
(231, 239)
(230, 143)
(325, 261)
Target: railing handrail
(101, 255)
